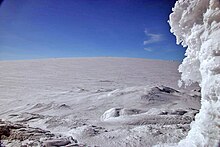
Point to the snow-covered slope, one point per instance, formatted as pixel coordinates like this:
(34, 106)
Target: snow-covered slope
(99, 101)
(196, 24)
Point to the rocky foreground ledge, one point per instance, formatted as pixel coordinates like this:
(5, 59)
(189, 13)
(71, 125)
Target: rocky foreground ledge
(15, 134)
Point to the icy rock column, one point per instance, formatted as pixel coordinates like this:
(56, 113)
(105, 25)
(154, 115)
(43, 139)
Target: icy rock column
(196, 25)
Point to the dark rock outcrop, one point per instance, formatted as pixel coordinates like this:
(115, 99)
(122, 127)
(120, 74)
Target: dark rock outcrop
(20, 133)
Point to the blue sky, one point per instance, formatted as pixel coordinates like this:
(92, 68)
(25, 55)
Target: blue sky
(32, 29)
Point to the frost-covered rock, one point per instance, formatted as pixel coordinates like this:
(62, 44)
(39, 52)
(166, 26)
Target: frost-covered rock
(116, 112)
(196, 25)
(111, 113)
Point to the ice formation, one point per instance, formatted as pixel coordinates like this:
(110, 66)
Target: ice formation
(196, 25)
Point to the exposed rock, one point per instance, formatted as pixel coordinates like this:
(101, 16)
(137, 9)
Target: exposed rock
(4, 131)
(29, 116)
(65, 106)
(159, 94)
(23, 135)
(57, 142)
(179, 112)
(167, 89)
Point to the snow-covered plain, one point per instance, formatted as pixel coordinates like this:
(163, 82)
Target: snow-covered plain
(99, 101)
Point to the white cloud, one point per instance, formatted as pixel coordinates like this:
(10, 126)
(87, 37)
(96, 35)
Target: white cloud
(153, 38)
(148, 49)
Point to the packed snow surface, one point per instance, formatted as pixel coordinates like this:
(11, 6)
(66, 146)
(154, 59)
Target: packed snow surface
(99, 101)
(196, 24)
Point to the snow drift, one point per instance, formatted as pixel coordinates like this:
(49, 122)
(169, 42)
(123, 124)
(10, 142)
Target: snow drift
(196, 25)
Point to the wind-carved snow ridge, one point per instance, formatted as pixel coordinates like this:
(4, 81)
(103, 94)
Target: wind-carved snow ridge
(196, 25)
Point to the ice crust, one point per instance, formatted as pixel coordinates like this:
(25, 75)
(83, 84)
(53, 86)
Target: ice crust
(196, 25)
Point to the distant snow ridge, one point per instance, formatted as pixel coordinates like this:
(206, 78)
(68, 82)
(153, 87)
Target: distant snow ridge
(196, 25)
